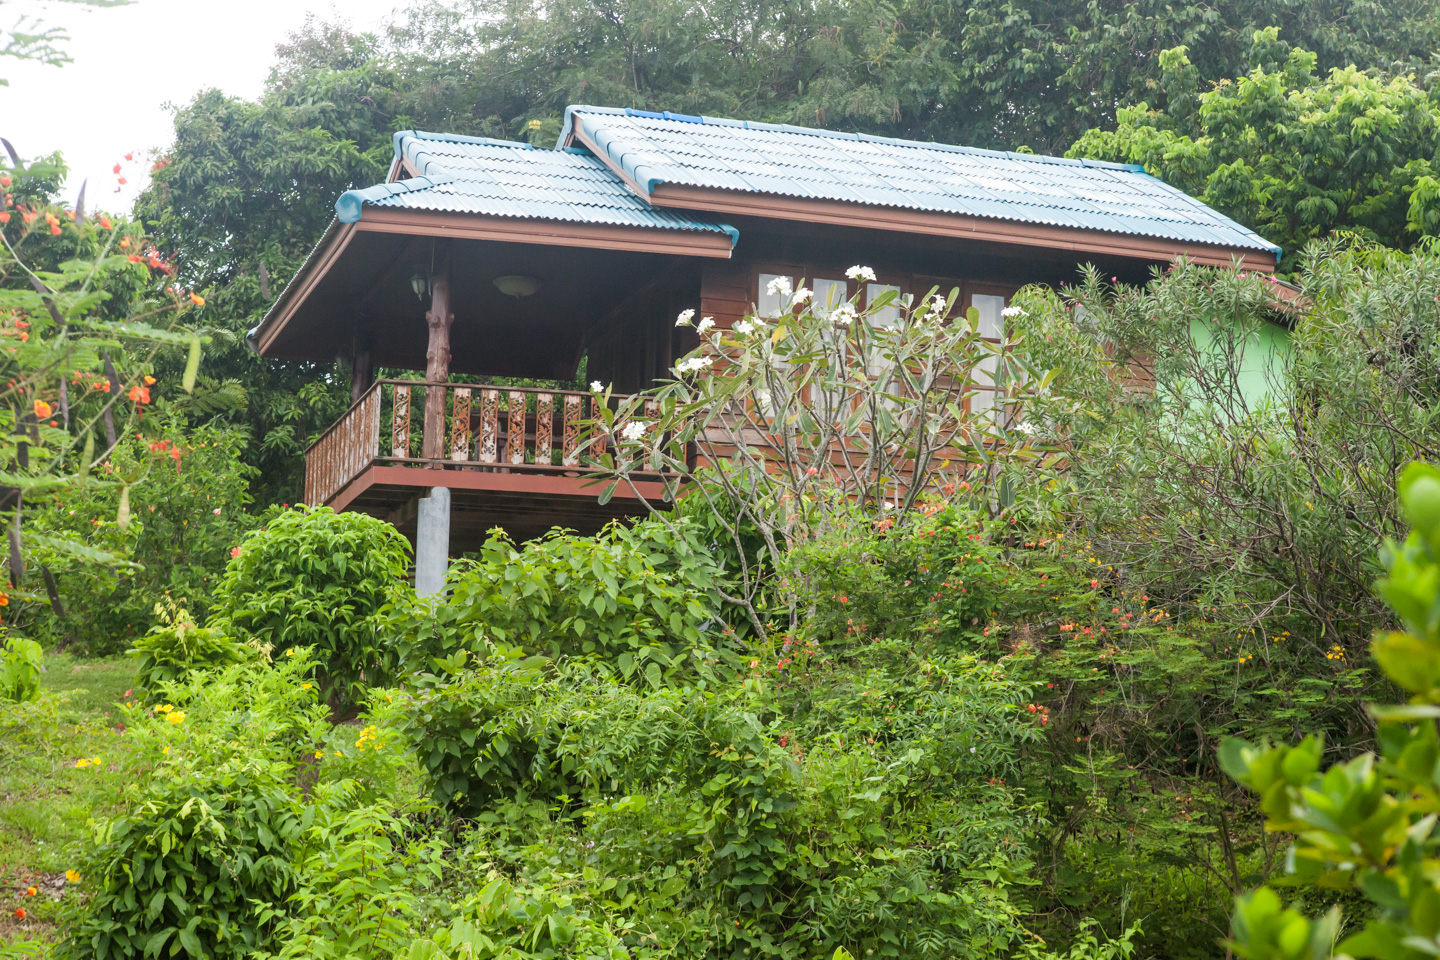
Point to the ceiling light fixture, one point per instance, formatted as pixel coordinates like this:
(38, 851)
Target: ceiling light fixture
(514, 286)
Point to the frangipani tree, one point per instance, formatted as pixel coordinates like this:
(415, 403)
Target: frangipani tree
(782, 424)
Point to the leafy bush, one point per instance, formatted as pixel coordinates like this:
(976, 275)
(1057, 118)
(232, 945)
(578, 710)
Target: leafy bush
(934, 571)
(361, 876)
(1366, 823)
(20, 665)
(316, 578)
(184, 518)
(863, 809)
(199, 866)
(639, 602)
(175, 646)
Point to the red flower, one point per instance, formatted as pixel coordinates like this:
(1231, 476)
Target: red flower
(20, 913)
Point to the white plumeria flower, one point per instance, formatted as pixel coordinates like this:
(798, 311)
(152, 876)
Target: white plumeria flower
(596, 386)
(764, 397)
(1025, 427)
(1012, 312)
(858, 272)
(803, 295)
(744, 328)
(779, 287)
(692, 364)
(684, 318)
(704, 324)
(633, 430)
(843, 314)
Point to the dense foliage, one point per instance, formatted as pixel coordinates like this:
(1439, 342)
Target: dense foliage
(316, 578)
(1292, 155)
(806, 715)
(1367, 823)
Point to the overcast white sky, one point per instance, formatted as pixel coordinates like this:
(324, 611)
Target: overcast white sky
(129, 62)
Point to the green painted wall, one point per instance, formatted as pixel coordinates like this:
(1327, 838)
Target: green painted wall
(1262, 357)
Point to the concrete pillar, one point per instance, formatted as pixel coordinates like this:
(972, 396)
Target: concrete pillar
(432, 541)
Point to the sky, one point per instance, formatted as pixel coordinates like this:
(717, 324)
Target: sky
(131, 64)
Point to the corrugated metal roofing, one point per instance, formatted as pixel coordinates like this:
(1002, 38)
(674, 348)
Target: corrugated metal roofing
(506, 179)
(655, 148)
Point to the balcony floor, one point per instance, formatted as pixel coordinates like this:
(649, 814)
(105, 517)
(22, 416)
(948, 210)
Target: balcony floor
(526, 505)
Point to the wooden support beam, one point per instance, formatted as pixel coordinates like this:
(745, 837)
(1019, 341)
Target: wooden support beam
(437, 357)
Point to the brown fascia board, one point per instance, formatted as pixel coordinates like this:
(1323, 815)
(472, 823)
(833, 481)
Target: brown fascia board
(337, 237)
(931, 223)
(469, 226)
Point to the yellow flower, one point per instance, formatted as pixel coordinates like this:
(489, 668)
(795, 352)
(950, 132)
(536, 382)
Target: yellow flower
(164, 708)
(166, 751)
(177, 717)
(319, 754)
(304, 686)
(82, 762)
(72, 876)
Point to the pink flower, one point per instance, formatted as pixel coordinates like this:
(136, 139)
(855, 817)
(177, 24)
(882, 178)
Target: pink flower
(217, 511)
(234, 551)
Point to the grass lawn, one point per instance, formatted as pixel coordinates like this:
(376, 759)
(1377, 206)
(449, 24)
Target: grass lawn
(46, 800)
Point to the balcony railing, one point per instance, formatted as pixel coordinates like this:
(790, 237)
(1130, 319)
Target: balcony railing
(500, 429)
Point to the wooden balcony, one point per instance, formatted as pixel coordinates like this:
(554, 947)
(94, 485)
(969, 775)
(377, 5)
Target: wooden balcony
(519, 458)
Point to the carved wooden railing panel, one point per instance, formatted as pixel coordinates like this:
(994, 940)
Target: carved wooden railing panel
(510, 430)
(344, 451)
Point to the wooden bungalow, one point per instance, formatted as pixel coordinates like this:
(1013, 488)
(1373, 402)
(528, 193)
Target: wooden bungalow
(493, 259)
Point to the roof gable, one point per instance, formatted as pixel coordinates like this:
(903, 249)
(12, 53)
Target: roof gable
(502, 178)
(650, 149)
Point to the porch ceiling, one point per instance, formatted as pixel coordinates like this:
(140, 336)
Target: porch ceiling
(362, 294)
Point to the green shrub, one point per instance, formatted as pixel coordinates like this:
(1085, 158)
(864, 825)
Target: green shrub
(20, 665)
(715, 822)
(175, 646)
(638, 602)
(199, 866)
(361, 880)
(1366, 824)
(316, 578)
(186, 515)
(933, 572)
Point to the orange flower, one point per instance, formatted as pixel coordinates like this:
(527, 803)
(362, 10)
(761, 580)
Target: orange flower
(30, 891)
(20, 913)
(105, 221)
(234, 551)
(4, 599)
(139, 394)
(122, 181)
(124, 242)
(4, 181)
(4, 216)
(105, 385)
(55, 231)
(149, 381)
(196, 299)
(42, 409)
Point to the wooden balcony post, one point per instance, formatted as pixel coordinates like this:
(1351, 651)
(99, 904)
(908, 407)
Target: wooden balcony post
(437, 356)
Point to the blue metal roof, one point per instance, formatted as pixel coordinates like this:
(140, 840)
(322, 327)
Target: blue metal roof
(654, 148)
(502, 178)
